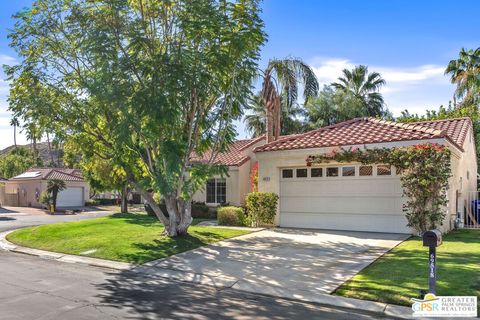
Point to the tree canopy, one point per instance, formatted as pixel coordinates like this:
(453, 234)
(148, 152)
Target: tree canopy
(151, 81)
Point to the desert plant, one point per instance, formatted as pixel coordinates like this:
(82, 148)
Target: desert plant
(261, 208)
(231, 216)
(54, 186)
(46, 199)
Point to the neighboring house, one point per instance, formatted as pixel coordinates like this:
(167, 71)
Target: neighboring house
(233, 188)
(2, 191)
(351, 196)
(25, 189)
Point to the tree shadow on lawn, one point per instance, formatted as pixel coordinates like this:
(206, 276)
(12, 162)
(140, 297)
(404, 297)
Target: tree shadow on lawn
(166, 246)
(146, 220)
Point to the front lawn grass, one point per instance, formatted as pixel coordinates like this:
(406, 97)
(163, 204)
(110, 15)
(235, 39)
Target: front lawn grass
(134, 238)
(398, 275)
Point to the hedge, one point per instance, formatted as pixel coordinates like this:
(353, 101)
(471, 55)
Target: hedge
(231, 216)
(261, 208)
(199, 210)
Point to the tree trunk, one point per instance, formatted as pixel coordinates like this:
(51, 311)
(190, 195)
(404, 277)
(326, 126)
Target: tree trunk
(54, 199)
(269, 126)
(124, 200)
(155, 207)
(50, 150)
(278, 115)
(15, 135)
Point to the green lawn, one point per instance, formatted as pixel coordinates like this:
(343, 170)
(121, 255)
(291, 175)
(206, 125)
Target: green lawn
(134, 238)
(398, 275)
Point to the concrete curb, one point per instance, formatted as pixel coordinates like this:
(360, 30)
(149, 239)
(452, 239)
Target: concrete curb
(219, 282)
(8, 246)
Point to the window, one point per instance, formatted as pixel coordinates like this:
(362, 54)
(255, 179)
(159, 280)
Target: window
(216, 191)
(384, 170)
(332, 172)
(316, 172)
(365, 171)
(302, 173)
(348, 171)
(287, 173)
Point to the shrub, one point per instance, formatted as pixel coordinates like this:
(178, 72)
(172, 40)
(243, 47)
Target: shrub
(46, 199)
(91, 202)
(199, 210)
(261, 208)
(231, 216)
(106, 201)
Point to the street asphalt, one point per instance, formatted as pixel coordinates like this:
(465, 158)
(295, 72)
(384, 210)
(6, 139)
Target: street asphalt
(38, 288)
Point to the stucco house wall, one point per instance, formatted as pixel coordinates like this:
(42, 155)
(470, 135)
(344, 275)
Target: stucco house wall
(238, 179)
(26, 191)
(463, 180)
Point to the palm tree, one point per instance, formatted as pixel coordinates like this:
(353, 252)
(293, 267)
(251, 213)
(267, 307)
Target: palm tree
(15, 123)
(281, 78)
(364, 86)
(465, 73)
(54, 186)
(255, 121)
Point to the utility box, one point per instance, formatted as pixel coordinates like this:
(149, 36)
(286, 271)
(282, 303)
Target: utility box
(432, 238)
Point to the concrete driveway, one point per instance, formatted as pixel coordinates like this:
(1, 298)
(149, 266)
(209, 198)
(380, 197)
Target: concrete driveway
(285, 262)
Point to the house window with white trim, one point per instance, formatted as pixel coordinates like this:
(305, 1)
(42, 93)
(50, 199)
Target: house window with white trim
(217, 190)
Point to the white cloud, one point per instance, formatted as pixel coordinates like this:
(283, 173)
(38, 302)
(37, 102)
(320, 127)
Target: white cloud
(416, 88)
(5, 59)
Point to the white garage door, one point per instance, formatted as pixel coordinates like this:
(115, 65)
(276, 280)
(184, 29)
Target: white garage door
(70, 197)
(359, 198)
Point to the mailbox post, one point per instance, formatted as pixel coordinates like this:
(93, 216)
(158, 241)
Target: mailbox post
(432, 239)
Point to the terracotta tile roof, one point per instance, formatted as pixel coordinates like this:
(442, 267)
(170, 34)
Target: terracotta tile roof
(234, 156)
(371, 130)
(50, 173)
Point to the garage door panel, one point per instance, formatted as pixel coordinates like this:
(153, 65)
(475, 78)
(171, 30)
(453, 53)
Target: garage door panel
(341, 186)
(70, 197)
(343, 203)
(349, 204)
(355, 222)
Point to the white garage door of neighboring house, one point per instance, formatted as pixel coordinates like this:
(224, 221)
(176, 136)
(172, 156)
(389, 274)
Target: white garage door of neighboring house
(70, 197)
(358, 198)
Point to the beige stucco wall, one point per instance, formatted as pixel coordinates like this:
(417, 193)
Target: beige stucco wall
(464, 179)
(271, 162)
(27, 190)
(238, 179)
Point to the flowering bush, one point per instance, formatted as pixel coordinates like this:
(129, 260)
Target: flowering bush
(254, 178)
(424, 171)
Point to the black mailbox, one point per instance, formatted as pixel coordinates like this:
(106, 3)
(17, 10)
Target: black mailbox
(432, 238)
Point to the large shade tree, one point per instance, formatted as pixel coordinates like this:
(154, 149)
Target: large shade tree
(153, 81)
(364, 86)
(281, 79)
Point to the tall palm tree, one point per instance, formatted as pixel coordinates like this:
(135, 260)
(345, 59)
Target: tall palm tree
(282, 78)
(364, 86)
(465, 73)
(15, 123)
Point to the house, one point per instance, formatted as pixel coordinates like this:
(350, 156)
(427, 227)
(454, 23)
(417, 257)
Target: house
(234, 187)
(351, 196)
(25, 189)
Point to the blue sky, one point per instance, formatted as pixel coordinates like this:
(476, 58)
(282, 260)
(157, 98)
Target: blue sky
(409, 42)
